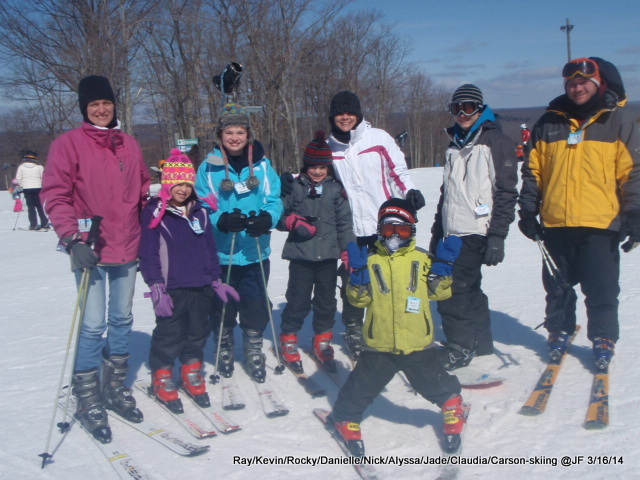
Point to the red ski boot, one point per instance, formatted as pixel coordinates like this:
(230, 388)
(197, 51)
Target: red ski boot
(454, 419)
(193, 383)
(323, 350)
(289, 349)
(165, 390)
(349, 434)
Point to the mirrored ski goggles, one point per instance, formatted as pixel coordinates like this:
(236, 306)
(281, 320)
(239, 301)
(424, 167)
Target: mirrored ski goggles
(464, 108)
(584, 67)
(403, 230)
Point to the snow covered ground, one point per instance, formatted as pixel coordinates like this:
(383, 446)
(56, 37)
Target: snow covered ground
(37, 296)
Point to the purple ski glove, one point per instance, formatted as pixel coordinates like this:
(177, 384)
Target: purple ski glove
(162, 302)
(224, 291)
(300, 225)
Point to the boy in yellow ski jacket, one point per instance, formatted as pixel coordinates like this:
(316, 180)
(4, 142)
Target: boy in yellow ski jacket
(395, 283)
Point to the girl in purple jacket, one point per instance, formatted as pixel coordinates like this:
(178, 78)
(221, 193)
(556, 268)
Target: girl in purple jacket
(179, 262)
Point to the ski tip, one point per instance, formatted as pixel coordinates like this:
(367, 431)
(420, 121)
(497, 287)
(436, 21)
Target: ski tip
(278, 413)
(595, 425)
(529, 411)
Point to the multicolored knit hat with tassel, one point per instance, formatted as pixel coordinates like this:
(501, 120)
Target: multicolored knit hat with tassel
(235, 115)
(176, 169)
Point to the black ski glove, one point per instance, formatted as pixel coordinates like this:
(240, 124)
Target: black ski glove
(235, 221)
(494, 253)
(630, 230)
(286, 184)
(416, 198)
(259, 224)
(529, 225)
(82, 255)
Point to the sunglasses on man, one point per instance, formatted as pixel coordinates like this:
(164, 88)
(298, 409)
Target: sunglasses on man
(464, 108)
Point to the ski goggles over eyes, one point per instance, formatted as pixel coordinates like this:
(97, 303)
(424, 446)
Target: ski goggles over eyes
(464, 108)
(584, 67)
(403, 230)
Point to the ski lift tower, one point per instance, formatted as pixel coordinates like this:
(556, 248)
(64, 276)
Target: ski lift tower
(568, 28)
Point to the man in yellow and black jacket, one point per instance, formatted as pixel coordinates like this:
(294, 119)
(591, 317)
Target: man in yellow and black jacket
(582, 178)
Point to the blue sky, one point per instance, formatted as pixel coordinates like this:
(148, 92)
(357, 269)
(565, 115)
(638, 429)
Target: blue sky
(514, 50)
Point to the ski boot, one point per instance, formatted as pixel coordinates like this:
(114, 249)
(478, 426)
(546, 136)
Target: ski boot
(454, 420)
(323, 350)
(603, 350)
(348, 433)
(91, 412)
(289, 349)
(193, 383)
(557, 343)
(254, 359)
(354, 339)
(454, 356)
(116, 396)
(225, 355)
(165, 390)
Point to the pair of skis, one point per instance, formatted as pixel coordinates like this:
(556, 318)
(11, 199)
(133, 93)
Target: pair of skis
(124, 465)
(190, 424)
(598, 408)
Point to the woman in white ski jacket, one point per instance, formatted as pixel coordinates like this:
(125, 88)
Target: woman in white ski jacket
(372, 170)
(29, 176)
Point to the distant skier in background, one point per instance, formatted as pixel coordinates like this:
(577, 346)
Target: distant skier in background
(582, 178)
(525, 136)
(29, 177)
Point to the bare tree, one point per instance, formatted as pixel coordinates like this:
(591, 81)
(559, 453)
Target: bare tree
(69, 39)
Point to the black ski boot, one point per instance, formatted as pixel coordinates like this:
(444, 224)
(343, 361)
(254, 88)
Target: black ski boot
(116, 396)
(91, 412)
(225, 355)
(254, 359)
(353, 338)
(454, 356)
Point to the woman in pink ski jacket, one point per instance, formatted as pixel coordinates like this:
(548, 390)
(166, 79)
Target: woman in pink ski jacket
(98, 170)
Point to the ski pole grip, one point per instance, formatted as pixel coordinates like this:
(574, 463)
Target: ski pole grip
(94, 231)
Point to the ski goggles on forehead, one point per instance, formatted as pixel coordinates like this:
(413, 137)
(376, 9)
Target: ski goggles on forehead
(403, 230)
(464, 108)
(584, 67)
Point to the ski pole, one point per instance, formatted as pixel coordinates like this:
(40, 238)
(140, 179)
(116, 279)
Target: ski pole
(550, 265)
(17, 218)
(74, 334)
(280, 367)
(215, 377)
